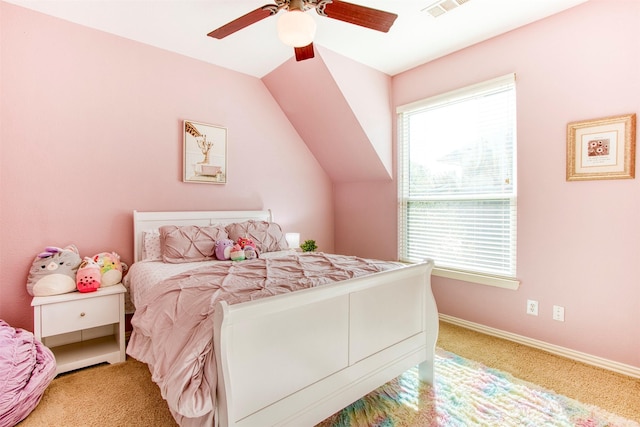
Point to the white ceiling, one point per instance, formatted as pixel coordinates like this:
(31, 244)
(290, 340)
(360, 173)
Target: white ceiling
(416, 37)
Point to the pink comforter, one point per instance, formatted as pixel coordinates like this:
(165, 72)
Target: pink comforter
(26, 369)
(173, 328)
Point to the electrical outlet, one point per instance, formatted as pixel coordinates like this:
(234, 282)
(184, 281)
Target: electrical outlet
(558, 313)
(532, 307)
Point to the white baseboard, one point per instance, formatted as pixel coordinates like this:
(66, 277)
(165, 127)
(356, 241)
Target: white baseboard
(621, 368)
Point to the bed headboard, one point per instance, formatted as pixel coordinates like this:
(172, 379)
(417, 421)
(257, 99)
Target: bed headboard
(147, 221)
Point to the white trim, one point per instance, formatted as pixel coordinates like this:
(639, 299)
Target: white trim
(482, 279)
(621, 368)
(467, 91)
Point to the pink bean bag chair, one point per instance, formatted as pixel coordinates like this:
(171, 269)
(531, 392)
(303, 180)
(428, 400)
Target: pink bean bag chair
(26, 369)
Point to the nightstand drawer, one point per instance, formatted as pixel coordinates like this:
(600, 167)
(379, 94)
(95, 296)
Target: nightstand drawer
(69, 316)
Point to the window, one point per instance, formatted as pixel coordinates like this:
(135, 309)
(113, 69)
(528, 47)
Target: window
(457, 172)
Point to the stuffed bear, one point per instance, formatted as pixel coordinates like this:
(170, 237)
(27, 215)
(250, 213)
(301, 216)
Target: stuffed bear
(53, 271)
(223, 249)
(237, 253)
(88, 276)
(110, 268)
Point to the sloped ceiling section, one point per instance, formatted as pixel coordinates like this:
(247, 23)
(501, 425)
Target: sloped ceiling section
(342, 110)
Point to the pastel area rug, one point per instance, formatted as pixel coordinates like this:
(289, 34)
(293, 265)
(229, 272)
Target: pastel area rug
(467, 393)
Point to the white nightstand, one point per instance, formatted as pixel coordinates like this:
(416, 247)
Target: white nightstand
(82, 329)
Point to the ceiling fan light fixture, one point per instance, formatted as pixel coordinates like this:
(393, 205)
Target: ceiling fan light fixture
(296, 28)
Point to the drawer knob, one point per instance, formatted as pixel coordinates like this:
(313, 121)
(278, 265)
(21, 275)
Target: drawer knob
(82, 314)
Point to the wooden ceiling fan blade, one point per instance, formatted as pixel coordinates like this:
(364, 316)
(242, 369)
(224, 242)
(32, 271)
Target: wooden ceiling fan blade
(363, 16)
(305, 52)
(244, 21)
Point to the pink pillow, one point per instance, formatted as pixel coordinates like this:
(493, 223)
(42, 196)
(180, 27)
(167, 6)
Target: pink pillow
(189, 243)
(267, 236)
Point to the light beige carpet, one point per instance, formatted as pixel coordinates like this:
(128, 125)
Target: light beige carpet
(124, 395)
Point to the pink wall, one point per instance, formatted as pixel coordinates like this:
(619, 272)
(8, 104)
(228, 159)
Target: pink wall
(341, 135)
(368, 93)
(578, 242)
(92, 129)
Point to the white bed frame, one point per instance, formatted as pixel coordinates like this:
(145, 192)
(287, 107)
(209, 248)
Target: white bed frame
(295, 359)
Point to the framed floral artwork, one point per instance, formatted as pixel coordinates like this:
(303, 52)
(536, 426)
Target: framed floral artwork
(205, 153)
(602, 148)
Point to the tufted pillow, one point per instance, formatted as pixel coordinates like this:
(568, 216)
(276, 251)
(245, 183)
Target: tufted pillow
(267, 236)
(189, 243)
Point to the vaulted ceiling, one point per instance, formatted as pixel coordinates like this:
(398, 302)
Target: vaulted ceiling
(416, 36)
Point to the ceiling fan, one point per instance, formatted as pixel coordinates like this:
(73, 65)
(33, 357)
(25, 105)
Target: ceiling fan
(296, 28)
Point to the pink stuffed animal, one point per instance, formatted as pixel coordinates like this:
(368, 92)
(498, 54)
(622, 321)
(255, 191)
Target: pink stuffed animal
(88, 276)
(244, 242)
(249, 248)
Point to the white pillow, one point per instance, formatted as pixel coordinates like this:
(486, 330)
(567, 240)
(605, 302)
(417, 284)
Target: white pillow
(151, 245)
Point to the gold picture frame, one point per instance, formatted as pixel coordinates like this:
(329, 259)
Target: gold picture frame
(205, 153)
(602, 148)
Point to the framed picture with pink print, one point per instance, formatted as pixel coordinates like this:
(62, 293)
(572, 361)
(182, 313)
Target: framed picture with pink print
(602, 148)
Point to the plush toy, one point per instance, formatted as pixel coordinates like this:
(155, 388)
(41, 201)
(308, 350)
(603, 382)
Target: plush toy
(53, 271)
(245, 242)
(110, 268)
(88, 276)
(250, 253)
(223, 249)
(237, 253)
(249, 248)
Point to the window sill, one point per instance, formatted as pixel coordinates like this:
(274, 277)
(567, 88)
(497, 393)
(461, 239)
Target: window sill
(499, 282)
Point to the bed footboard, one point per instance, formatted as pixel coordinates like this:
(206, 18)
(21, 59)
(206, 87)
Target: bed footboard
(296, 359)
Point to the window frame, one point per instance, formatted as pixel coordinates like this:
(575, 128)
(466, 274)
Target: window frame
(508, 282)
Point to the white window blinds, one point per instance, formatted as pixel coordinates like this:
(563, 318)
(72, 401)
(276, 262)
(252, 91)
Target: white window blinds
(457, 195)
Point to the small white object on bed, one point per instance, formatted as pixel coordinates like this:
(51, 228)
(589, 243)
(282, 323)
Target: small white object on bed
(295, 359)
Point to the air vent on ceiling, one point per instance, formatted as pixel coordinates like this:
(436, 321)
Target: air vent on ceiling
(443, 6)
